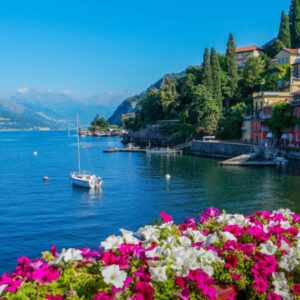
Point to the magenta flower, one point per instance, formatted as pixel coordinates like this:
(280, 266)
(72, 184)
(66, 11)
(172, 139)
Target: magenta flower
(12, 284)
(52, 297)
(165, 218)
(48, 274)
(103, 296)
(211, 212)
(296, 289)
(145, 289)
(260, 284)
(273, 296)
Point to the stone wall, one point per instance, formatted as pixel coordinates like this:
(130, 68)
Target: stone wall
(219, 149)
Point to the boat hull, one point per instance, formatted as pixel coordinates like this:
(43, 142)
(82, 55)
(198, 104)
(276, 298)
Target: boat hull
(89, 183)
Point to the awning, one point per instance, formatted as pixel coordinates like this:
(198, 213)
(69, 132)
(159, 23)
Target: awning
(284, 136)
(269, 135)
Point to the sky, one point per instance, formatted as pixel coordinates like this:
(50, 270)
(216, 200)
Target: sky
(97, 46)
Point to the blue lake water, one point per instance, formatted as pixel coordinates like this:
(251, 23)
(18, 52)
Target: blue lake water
(34, 215)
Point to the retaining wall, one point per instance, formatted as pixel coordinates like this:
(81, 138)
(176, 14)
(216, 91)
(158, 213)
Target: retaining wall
(219, 149)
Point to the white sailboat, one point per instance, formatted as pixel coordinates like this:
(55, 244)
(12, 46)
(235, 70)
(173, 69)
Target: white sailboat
(82, 178)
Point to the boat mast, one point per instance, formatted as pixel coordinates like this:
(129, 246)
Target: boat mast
(78, 146)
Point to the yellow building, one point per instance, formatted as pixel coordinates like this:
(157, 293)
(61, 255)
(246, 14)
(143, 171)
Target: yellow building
(269, 99)
(287, 56)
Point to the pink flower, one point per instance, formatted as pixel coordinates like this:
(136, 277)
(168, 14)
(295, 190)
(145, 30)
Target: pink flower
(54, 251)
(52, 297)
(211, 212)
(165, 218)
(12, 284)
(145, 289)
(236, 230)
(103, 296)
(260, 285)
(273, 296)
(46, 275)
(231, 262)
(296, 289)
(237, 277)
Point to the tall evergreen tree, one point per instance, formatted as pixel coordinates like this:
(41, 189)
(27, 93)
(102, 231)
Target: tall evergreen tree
(207, 80)
(216, 77)
(295, 23)
(284, 34)
(232, 69)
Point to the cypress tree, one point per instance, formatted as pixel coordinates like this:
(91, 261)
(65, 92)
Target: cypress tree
(207, 80)
(232, 68)
(295, 23)
(216, 77)
(284, 34)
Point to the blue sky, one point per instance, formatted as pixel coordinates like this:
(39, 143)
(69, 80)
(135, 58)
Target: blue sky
(94, 46)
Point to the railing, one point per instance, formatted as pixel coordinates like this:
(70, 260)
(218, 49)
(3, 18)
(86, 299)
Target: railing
(183, 145)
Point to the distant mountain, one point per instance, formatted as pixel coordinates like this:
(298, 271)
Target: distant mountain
(131, 104)
(18, 116)
(29, 108)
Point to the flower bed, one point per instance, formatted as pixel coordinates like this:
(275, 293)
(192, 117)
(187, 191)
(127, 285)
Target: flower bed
(220, 256)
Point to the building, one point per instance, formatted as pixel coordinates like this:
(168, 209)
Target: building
(246, 129)
(296, 113)
(262, 112)
(128, 115)
(287, 56)
(243, 53)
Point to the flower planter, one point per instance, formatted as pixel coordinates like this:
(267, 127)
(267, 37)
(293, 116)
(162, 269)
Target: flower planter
(226, 292)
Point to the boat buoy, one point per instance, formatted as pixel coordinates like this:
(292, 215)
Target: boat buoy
(46, 178)
(168, 176)
(34, 153)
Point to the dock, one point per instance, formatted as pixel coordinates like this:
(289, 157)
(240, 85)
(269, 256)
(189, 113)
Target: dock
(114, 150)
(250, 159)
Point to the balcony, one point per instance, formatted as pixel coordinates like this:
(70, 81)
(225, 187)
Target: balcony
(266, 116)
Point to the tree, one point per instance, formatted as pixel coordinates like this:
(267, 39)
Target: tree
(232, 68)
(273, 48)
(99, 123)
(216, 78)
(207, 80)
(152, 109)
(284, 34)
(169, 98)
(232, 124)
(253, 74)
(203, 112)
(281, 119)
(295, 23)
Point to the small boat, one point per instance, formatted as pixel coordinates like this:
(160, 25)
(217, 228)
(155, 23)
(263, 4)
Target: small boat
(280, 160)
(82, 178)
(111, 150)
(162, 151)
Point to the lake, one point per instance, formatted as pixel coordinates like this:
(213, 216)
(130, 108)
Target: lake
(34, 215)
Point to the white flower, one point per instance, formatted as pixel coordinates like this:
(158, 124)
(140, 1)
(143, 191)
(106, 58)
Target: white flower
(158, 273)
(185, 241)
(156, 252)
(2, 288)
(196, 235)
(128, 237)
(113, 275)
(281, 285)
(150, 233)
(285, 224)
(227, 236)
(268, 248)
(69, 255)
(112, 242)
(211, 239)
(288, 262)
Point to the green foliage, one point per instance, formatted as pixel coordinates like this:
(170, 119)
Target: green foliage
(274, 75)
(273, 48)
(284, 34)
(232, 67)
(231, 125)
(207, 79)
(253, 74)
(216, 78)
(281, 119)
(295, 23)
(99, 123)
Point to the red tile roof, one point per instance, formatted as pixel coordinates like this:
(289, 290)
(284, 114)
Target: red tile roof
(292, 51)
(246, 49)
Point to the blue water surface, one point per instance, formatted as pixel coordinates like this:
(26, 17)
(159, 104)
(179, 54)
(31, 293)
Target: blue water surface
(34, 215)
